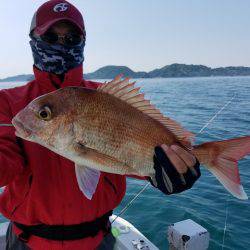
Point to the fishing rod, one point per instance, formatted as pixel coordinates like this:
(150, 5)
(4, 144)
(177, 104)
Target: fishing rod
(200, 131)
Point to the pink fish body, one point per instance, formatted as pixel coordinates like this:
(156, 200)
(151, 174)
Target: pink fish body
(114, 129)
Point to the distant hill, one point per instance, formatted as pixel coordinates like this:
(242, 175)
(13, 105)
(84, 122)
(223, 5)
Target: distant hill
(181, 70)
(231, 71)
(18, 78)
(109, 72)
(173, 70)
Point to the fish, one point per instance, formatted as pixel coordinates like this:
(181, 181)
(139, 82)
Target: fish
(114, 129)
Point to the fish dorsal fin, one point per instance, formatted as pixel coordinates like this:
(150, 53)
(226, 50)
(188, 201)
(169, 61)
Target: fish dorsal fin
(126, 91)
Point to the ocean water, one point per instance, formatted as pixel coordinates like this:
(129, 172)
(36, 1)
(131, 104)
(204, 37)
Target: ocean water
(192, 102)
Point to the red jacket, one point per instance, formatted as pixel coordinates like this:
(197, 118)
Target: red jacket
(41, 186)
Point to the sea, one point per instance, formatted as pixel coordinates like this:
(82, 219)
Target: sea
(220, 107)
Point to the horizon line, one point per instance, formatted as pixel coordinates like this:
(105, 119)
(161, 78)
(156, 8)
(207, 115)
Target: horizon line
(140, 70)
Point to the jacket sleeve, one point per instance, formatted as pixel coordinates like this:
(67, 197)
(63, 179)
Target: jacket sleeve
(11, 160)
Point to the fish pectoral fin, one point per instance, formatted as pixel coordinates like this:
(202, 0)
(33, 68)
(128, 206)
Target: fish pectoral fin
(97, 160)
(87, 179)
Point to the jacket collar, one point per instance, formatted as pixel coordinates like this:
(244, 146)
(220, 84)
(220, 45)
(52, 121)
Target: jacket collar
(73, 77)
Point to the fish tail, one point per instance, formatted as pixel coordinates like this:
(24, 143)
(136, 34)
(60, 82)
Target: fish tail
(221, 158)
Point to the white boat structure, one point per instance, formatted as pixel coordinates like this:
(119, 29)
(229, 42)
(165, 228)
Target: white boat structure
(183, 235)
(127, 236)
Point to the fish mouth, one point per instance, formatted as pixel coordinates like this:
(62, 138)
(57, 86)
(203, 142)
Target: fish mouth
(21, 131)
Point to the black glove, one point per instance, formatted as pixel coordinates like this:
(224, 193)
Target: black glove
(167, 179)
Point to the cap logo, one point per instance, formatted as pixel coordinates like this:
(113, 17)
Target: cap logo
(60, 7)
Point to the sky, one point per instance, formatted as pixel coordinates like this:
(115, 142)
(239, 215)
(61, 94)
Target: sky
(141, 34)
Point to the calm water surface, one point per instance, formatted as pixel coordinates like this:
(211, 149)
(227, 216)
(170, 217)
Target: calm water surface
(192, 102)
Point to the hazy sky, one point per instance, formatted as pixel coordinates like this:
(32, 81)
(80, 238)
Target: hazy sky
(142, 34)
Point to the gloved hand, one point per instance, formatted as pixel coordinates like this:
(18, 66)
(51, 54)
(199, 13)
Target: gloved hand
(176, 169)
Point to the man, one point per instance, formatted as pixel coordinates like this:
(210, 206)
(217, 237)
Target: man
(42, 199)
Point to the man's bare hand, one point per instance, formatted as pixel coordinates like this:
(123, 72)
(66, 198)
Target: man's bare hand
(180, 158)
(176, 169)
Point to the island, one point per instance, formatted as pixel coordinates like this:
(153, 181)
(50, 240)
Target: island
(173, 70)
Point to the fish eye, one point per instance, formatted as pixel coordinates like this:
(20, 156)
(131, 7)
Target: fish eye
(45, 113)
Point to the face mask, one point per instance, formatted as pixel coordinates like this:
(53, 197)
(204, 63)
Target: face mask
(56, 58)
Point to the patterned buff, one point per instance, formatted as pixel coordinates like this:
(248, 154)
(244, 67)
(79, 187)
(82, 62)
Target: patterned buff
(56, 58)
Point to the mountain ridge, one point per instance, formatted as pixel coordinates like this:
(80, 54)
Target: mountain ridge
(172, 70)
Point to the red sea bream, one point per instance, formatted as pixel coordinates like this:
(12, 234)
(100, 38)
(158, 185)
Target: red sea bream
(114, 129)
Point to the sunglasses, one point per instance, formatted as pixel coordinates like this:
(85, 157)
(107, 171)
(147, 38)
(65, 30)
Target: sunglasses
(70, 39)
